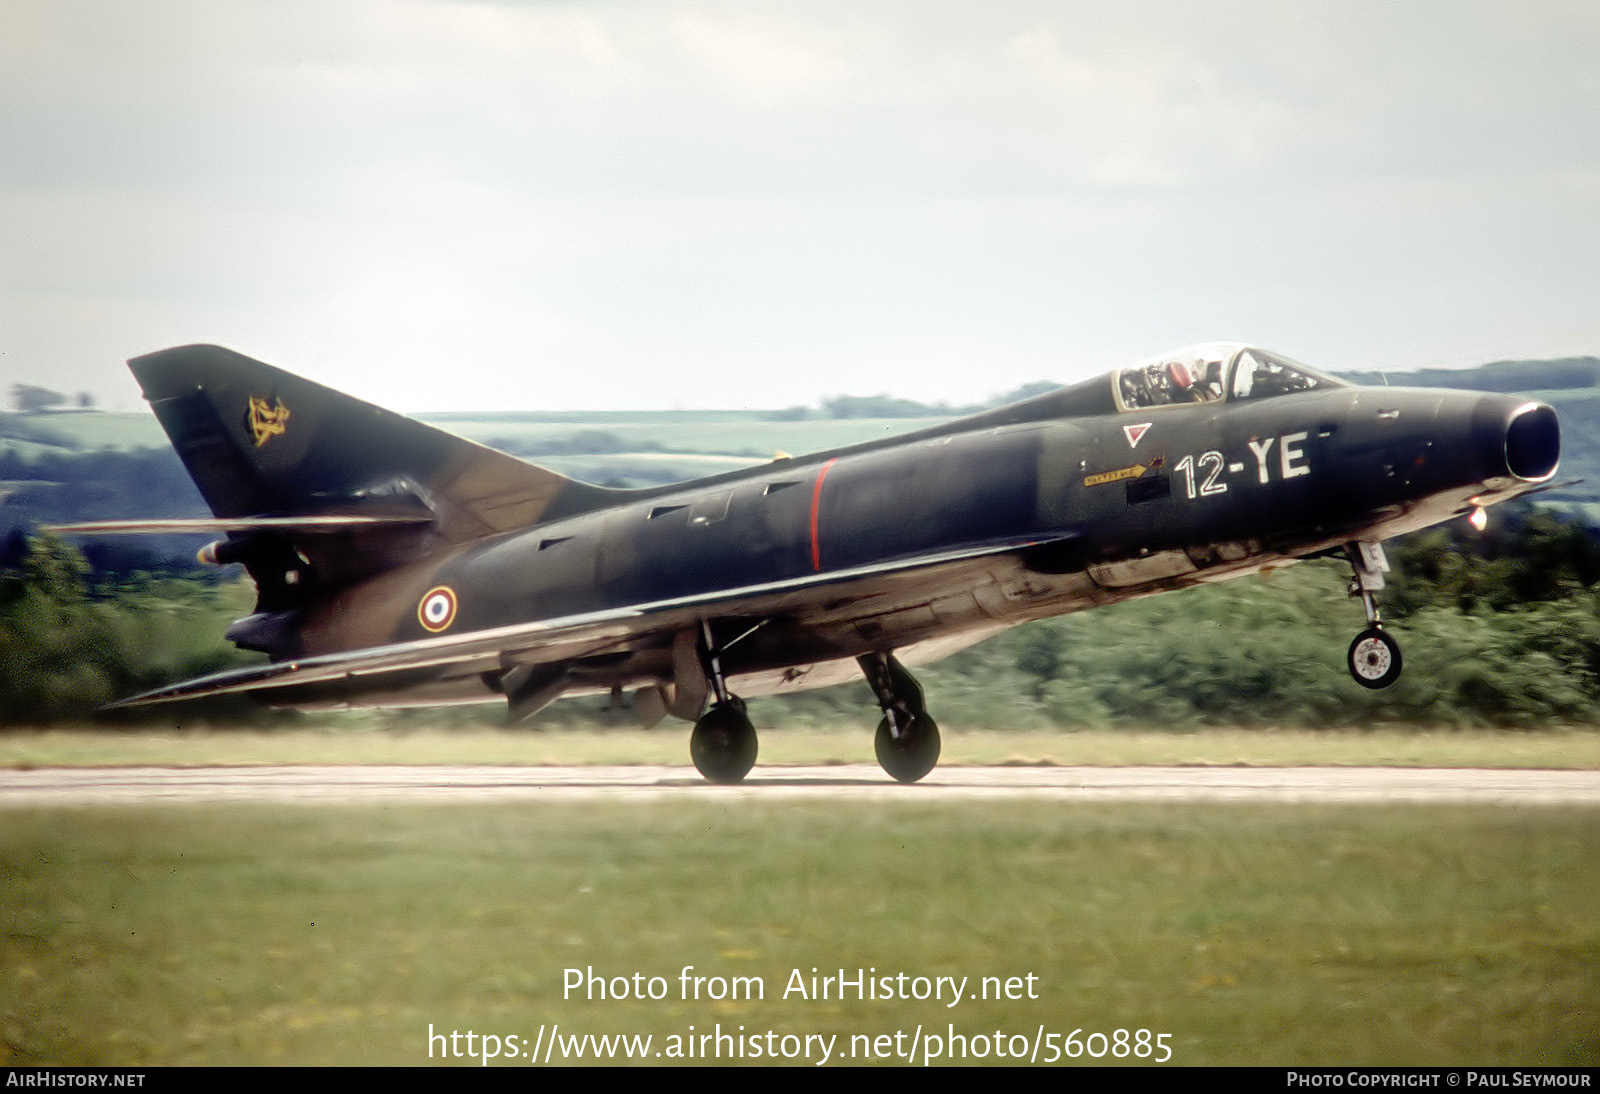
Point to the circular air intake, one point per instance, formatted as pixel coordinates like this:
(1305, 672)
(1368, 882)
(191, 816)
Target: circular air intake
(1533, 443)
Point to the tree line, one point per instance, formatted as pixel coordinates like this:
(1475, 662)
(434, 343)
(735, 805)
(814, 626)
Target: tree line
(1499, 629)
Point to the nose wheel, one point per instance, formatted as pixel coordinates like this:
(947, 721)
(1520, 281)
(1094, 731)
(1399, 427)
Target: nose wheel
(1374, 657)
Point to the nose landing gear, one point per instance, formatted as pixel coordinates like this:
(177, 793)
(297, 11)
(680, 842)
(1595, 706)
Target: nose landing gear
(1374, 657)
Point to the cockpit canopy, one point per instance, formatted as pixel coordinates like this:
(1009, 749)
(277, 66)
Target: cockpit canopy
(1210, 373)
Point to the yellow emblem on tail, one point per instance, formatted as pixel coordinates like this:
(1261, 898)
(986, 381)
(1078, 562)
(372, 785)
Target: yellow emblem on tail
(267, 421)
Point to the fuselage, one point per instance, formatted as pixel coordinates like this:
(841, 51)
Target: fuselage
(1195, 467)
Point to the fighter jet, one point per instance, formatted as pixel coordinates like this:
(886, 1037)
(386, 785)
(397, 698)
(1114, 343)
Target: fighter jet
(396, 564)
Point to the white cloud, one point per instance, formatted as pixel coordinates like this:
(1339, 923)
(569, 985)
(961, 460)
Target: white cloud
(771, 201)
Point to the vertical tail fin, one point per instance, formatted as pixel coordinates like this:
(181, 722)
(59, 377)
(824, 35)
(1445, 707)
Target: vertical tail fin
(259, 441)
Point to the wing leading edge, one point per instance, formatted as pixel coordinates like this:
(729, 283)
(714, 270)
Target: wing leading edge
(177, 525)
(556, 641)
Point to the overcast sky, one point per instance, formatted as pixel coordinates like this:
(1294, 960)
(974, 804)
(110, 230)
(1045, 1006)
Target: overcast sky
(620, 204)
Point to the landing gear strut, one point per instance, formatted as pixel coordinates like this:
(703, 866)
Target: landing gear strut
(724, 743)
(908, 740)
(1374, 657)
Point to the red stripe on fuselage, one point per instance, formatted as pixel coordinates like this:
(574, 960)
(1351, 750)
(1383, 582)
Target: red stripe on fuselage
(816, 503)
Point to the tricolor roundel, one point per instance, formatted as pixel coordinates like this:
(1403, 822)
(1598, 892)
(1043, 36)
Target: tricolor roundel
(437, 609)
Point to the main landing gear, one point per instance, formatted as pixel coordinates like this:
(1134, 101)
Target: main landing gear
(908, 740)
(723, 744)
(1374, 657)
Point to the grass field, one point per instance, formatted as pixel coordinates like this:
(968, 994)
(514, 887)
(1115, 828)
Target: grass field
(1252, 934)
(356, 742)
(1249, 934)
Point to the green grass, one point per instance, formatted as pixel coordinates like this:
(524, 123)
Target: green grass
(357, 742)
(1251, 934)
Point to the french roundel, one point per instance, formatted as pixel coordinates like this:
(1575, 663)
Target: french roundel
(438, 608)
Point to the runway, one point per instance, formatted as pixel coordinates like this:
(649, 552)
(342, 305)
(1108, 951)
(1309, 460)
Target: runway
(52, 787)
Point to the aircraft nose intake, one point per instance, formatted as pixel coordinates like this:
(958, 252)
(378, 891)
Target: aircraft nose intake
(1532, 442)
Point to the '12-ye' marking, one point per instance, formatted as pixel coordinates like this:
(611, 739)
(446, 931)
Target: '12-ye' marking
(1203, 474)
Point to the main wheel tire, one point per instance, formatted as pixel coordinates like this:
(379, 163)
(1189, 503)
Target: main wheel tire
(913, 754)
(723, 744)
(1375, 658)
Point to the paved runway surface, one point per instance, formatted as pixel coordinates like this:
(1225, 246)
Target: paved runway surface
(131, 785)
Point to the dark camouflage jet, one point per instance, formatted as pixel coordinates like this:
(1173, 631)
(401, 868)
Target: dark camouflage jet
(397, 564)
